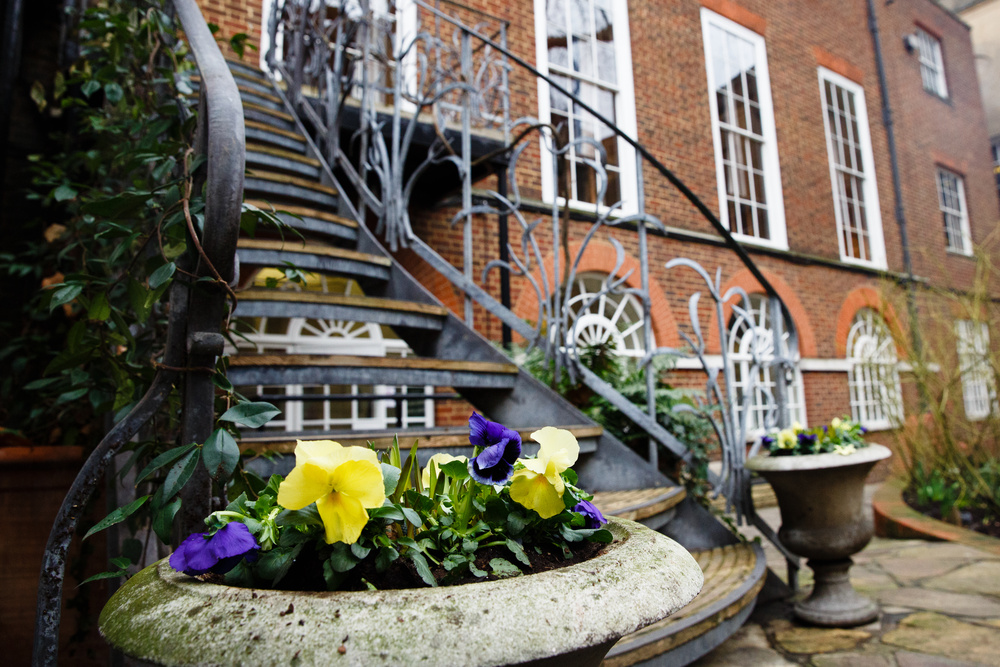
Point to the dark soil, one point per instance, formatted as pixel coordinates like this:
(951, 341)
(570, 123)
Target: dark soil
(976, 518)
(307, 572)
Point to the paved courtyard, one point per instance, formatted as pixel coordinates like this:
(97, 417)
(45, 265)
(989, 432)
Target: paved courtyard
(940, 606)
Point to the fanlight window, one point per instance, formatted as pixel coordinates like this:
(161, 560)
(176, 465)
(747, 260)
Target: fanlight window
(876, 398)
(744, 332)
(297, 335)
(615, 320)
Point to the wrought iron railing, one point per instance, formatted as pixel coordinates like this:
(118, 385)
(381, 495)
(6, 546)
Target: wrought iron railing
(194, 338)
(398, 66)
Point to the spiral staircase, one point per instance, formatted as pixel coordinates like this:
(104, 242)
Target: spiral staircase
(445, 359)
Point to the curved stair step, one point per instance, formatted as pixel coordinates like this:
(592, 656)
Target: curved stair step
(451, 439)
(313, 257)
(734, 575)
(652, 507)
(268, 116)
(263, 133)
(281, 303)
(311, 220)
(263, 157)
(245, 69)
(275, 186)
(268, 369)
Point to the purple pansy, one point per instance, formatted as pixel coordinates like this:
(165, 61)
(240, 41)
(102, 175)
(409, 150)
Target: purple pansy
(767, 441)
(500, 448)
(218, 553)
(807, 439)
(590, 513)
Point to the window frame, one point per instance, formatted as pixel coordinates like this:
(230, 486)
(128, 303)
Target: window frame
(932, 62)
(873, 211)
(886, 369)
(625, 118)
(976, 374)
(775, 205)
(962, 213)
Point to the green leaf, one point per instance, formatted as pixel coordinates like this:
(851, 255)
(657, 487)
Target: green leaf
(457, 470)
(90, 87)
(274, 564)
(518, 552)
(64, 193)
(99, 309)
(38, 95)
(166, 458)
(104, 575)
(390, 512)
(503, 568)
(64, 294)
(412, 516)
(307, 516)
(423, 569)
(162, 275)
(113, 92)
(475, 570)
(220, 454)
(390, 478)
(163, 522)
(360, 552)
(385, 557)
(117, 206)
(252, 415)
(117, 516)
(179, 475)
(341, 558)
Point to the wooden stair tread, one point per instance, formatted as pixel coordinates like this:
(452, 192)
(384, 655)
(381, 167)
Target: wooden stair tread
(734, 575)
(432, 438)
(303, 212)
(257, 125)
(312, 249)
(410, 363)
(269, 111)
(341, 300)
(763, 496)
(278, 152)
(638, 504)
(290, 180)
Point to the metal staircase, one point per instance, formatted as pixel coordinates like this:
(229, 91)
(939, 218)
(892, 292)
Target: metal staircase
(284, 173)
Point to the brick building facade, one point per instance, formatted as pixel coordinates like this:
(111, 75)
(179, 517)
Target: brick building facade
(810, 60)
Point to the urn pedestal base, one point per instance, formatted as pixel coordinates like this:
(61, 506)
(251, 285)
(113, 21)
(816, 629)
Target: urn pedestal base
(834, 602)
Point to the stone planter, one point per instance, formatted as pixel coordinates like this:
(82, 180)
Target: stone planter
(824, 518)
(568, 616)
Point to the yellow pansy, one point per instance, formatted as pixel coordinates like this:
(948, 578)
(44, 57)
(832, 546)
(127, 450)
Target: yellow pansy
(786, 439)
(539, 486)
(439, 460)
(342, 481)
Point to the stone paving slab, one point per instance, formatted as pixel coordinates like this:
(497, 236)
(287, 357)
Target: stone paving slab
(939, 603)
(928, 632)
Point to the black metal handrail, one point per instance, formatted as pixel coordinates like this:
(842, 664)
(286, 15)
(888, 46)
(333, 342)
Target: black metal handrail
(196, 317)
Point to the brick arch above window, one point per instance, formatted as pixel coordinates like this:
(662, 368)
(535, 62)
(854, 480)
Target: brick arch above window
(600, 257)
(864, 297)
(746, 280)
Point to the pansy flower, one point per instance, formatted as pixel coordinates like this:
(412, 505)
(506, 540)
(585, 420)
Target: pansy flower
(217, 553)
(500, 448)
(590, 513)
(342, 481)
(786, 439)
(539, 486)
(438, 460)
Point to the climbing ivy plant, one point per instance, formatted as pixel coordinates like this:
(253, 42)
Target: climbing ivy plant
(119, 185)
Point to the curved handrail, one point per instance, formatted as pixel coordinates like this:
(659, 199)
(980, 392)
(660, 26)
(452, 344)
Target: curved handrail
(192, 314)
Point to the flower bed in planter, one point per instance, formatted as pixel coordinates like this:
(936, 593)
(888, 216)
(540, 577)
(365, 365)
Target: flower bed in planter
(577, 612)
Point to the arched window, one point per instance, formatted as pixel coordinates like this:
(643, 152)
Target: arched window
(614, 319)
(876, 399)
(743, 329)
(298, 335)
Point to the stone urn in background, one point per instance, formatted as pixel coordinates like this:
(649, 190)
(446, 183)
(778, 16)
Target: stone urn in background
(824, 518)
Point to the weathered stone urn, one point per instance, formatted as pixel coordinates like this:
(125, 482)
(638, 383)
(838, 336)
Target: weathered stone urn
(569, 616)
(824, 518)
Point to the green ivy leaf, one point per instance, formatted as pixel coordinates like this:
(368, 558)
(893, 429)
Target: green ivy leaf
(163, 521)
(179, 475)
(38, 95)
(100, 309)
(64, 294)
(166, 458)
(64, 193)
(117, 206)
(220, 454)
(117, 516)
(90, 87)
(251, 415)
(113, 92)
